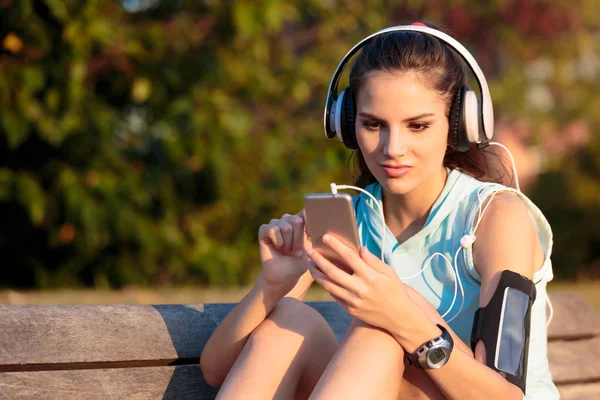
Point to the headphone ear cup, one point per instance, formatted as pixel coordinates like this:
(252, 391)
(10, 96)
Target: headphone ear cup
(457, 137)
(471, 117)
(348, 120)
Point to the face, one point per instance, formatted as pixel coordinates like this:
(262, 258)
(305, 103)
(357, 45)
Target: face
(402, 131)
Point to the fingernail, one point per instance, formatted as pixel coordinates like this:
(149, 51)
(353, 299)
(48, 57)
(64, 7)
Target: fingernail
(298, 253)
(309, 251)
(326, 238)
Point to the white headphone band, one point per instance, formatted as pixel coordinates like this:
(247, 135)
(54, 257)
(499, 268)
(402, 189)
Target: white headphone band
(487, 110)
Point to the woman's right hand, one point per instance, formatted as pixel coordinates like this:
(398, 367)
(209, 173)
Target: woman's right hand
(282, 255)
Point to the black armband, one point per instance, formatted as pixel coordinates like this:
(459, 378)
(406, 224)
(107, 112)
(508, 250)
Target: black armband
(503, 326)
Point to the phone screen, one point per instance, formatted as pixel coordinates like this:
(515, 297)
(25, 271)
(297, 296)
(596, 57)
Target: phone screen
(512, 337)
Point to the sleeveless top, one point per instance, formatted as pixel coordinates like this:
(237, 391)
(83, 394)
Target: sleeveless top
(452, 216)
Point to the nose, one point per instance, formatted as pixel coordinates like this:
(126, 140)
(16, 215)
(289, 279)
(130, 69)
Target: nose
(396, 144)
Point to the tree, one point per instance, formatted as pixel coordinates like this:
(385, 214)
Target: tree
(145, 142)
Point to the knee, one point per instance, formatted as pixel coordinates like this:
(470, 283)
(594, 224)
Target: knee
(293, 315)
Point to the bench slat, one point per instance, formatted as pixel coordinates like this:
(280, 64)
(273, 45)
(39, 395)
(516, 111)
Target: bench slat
(573, 317)
(100, 335)
(181, 382)
(575, 361)
(590, 391)
(36, 338)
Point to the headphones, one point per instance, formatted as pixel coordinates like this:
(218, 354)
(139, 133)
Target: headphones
(470, 122)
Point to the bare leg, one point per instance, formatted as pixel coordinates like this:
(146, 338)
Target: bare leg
(284, 356)
(370, 365)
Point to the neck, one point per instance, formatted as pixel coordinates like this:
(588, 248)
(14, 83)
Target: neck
(406, 214)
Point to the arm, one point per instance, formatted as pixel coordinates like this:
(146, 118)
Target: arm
(301, 288)
(436, 318)
(283, 273)
(373, 293)
(506, 239)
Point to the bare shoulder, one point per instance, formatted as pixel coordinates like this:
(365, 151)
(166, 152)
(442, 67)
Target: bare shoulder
(506, 238)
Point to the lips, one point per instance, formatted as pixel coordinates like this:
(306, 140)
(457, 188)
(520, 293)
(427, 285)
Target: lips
(396, 171)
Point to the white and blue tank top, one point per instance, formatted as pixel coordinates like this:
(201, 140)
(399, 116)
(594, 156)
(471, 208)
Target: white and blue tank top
(453, 216)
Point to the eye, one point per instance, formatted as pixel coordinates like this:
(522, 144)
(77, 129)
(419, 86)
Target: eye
(418, 127)
(371, 125)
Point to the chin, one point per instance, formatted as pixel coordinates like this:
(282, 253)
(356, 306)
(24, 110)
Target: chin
(399, 186)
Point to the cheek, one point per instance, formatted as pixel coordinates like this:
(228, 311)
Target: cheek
(443, 140)
(367, 143)
(438, 142)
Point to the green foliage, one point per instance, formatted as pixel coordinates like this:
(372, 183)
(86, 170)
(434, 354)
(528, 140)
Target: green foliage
(147, 147)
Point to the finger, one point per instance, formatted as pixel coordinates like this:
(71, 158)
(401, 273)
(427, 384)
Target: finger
(341, 303)
(302, 215)
(347, 254)
(332, 271)
(308, 247)
(276, 237)
(298, 227)
(374, 261)
(331, 287)
(307, 239)
(269, 234)
(287, 232)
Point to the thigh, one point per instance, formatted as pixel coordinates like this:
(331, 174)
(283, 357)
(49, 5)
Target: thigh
(416, 384)
(284, 356)
(368, 365)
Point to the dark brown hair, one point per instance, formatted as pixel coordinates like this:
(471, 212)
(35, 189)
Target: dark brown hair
(444, 71)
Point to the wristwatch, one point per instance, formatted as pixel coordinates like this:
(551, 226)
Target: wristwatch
(433, 354)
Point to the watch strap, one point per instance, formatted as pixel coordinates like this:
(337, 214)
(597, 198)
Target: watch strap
(417, 358)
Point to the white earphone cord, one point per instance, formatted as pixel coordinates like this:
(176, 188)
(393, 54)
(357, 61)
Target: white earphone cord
(512, 161)
(465, 242)
(334, 190)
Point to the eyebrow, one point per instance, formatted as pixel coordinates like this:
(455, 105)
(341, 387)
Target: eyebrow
(415, 118)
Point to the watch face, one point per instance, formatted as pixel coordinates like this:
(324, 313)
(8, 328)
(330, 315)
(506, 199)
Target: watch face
(437, 357)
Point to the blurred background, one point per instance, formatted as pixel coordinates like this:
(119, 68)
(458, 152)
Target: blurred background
(143, 142)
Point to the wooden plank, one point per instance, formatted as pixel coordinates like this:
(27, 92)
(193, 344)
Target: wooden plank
(575, 361)
(35, 338)
(590, 391)
(573, 318)
(102, 336)
(181, 382)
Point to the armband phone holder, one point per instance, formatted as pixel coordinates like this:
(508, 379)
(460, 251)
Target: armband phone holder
(503, 326)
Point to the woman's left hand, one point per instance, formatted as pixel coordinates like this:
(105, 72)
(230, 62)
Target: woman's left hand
(373, 293)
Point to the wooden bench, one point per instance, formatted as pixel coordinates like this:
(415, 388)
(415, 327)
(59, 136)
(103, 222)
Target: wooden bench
(152, 351)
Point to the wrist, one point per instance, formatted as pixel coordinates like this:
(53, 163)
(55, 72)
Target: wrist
(270, 294)
(302, 287)
(421, 330)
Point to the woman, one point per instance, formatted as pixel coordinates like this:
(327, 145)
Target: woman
(272, 345)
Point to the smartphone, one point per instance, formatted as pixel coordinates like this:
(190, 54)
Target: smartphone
(333, 214)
